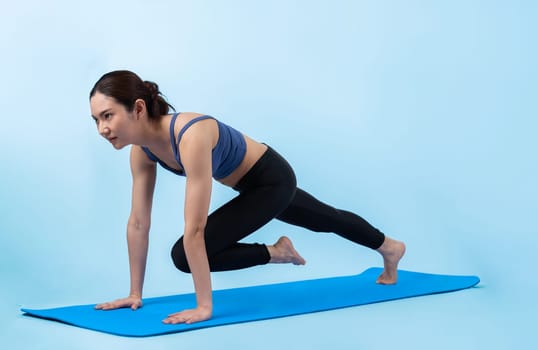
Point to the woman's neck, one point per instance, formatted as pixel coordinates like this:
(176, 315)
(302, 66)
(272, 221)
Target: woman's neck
(156, 134)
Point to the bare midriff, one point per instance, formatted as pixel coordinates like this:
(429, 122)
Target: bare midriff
(254, 152)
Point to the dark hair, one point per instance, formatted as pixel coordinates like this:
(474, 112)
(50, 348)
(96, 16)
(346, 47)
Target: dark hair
(126, 87)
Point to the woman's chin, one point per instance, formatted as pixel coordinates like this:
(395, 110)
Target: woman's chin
(118, 145)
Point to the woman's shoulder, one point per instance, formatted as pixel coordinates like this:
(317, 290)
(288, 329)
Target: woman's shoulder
(191, 115)
(140, 158)
(193, 120)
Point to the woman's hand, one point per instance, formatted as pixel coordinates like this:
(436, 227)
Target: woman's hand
(201, 313)
(132, 301)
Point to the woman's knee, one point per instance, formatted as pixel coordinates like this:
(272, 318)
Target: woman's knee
(287, 193)
(179, 257)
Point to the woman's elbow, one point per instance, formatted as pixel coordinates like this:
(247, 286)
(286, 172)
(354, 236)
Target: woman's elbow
(195, 230)
(138, 224)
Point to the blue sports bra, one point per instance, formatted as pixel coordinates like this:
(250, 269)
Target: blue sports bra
(226, 155)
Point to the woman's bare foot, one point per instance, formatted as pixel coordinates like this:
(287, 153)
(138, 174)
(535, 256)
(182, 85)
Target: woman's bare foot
(283, 252)
(392, 251)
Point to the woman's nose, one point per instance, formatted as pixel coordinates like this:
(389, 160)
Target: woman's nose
(104, 130)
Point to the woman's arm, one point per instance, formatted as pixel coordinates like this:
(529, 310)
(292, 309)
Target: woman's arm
(144, 174)
(196, 147)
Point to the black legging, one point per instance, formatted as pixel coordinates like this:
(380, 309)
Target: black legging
(269, 191)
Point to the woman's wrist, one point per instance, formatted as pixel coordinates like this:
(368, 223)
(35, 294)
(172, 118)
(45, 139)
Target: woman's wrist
(205, 306)
(135, 295)
(206, 309)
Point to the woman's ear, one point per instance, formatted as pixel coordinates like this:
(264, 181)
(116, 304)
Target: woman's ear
(140, 108)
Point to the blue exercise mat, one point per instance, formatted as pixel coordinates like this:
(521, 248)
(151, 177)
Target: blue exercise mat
(258, 302)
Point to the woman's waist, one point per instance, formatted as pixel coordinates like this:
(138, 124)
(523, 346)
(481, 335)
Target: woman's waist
(270, 169)
(254, 151)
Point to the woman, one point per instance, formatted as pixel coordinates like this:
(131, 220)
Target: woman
(129, 111)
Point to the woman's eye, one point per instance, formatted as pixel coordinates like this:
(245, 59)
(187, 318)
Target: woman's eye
(108, 116)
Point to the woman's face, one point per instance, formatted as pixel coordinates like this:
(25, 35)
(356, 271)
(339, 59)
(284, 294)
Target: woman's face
(113, 120)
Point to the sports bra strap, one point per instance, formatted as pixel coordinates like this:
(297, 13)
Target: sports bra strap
(175, 145)
(188, 125)
(173, 137)
(149, 154)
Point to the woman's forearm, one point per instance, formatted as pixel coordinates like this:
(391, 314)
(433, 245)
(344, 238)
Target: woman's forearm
(137, 241)
(195, 251)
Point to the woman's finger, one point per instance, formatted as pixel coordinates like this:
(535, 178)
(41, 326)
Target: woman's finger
(174, 320)
(176, 314)
(133, 303)
(108, 306)
(136, 305)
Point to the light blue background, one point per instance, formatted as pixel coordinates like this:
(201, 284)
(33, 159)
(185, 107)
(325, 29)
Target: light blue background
(418, 115)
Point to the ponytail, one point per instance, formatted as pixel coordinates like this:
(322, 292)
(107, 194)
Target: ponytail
(157, 105)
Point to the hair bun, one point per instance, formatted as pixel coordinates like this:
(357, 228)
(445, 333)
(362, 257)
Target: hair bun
(153, 89)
